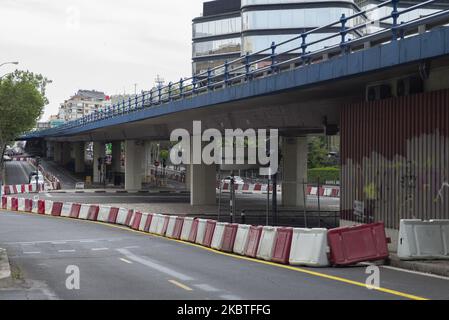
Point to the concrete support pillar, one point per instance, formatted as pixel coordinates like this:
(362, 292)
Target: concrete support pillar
(188, 177)
(57, 152)
(65, 153)
(134, 159)
(99, 152)
(79, 155)
(117, 156)
(50, 150)
(203, 181)
(295, 156)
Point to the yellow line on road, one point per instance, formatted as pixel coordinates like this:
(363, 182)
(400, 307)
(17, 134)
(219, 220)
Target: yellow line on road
(296, 269)
(180, 285)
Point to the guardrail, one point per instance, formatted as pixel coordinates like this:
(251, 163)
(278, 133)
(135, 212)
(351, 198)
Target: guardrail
(273, 60)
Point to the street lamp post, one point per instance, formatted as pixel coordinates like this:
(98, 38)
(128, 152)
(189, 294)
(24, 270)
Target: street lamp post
(5, 63)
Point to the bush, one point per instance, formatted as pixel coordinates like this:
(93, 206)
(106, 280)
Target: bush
(324, 174)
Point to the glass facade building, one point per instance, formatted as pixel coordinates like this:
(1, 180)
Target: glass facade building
(248, 26)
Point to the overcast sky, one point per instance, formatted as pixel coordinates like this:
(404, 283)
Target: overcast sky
(106, 45)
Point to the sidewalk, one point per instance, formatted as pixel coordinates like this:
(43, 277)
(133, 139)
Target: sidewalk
(436, 267)
(5, 269)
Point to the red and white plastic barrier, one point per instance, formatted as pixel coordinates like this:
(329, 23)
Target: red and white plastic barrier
(284, 245)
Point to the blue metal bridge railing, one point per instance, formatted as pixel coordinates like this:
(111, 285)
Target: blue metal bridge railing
(273, 60)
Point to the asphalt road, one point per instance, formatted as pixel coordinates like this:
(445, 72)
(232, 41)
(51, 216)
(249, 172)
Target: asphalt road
(117, 263)
(17, 172)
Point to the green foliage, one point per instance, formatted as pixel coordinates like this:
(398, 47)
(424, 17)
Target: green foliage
(164, 154)
(324, 174)
(22, 99)
(317, 152)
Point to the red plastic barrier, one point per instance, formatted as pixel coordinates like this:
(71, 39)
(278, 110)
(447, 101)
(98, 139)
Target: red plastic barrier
(258, 187)
(93, 213)
(253, 241)
(193, 231)
(15, 204)
(75, 211)
(245, 187)
(7, 190)
(351, 245)
(41, 207)
(165, 227)
(230, 232)
(209, 234)
(56, 209)
(178, 228)
(136, 221)
(14, 189)
(335, 193)
(148, 222)
(28, 205)
(129, 218)
(113, 214)
(282, 245)
(4, 202)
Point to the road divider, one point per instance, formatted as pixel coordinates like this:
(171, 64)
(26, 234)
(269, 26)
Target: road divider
(282, 245)
(423, 240)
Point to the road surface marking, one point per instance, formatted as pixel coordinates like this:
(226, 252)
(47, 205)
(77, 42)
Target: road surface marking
(56, 241)
(48, 195)
(206, 287)
(301, 270)
(100, 249)
(32, 252)
(416, 272)
(132, 247)
(230, 297)
(126, 261)
(59, 242)
(66, 251)
(180, 285)
(154, 265)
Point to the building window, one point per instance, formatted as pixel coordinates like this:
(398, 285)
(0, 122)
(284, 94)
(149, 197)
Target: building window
(224, 46)
(217, 27)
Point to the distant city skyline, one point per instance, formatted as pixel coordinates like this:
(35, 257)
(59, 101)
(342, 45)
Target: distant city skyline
(101, 45)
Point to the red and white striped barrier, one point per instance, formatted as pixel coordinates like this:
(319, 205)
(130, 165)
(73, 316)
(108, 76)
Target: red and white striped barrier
(21, 188)
(283, 245)
(325, 191)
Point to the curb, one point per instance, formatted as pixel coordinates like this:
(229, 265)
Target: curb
(5, 268)
(431, 267)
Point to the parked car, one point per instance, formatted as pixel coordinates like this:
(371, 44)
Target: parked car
(7, 158)
(237, 180)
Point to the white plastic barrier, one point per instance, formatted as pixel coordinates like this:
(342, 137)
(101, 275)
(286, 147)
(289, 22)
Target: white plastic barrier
(122, 216)
(420, 240)
(143, 221)
(66, 209)
(154, 223)
(202, 223)
(84, 211)
(160, 225)
(217, 239)
(103, 214)
(309, 248)
(35, 208)
(241, 239)
(186, 228)
(9, 203)
(48, 207)
(21, 205)
(171, 227)
(19, 188)
(266, 245)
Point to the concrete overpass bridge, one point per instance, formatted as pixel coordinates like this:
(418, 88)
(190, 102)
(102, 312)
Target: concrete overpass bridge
(385, 90)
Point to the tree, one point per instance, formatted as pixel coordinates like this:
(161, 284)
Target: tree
(22, 99)
(317, 152)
